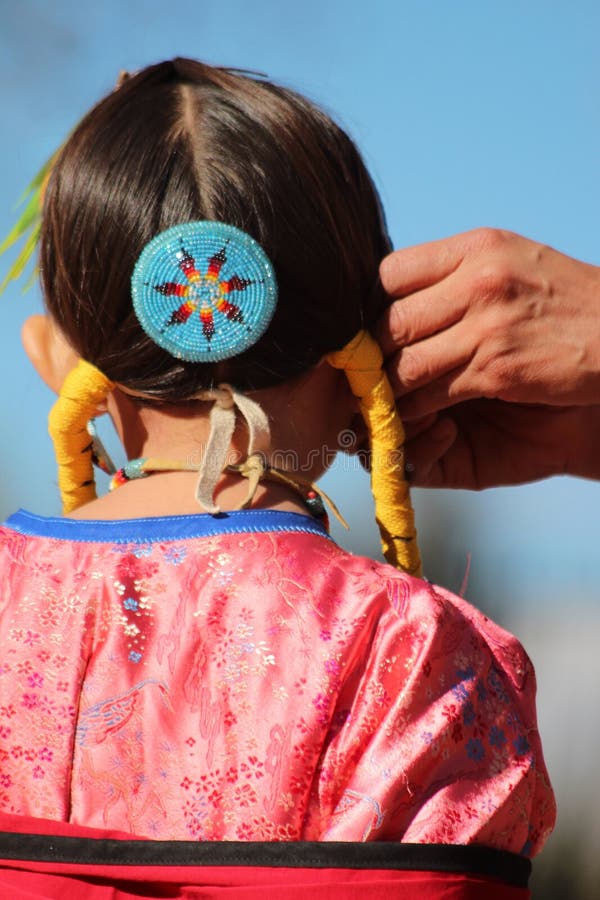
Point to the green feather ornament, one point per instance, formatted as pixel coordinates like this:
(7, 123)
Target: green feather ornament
(28, 226)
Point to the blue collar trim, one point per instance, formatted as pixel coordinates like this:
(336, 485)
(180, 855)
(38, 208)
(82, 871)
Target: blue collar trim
(163, 528)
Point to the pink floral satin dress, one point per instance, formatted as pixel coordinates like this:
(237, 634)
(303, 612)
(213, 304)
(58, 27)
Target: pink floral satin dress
(241, 677)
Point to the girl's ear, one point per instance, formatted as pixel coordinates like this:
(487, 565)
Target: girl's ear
(48, 351)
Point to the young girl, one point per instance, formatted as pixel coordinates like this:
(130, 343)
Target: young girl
(174, 666)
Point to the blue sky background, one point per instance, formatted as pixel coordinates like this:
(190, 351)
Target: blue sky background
(468, 113)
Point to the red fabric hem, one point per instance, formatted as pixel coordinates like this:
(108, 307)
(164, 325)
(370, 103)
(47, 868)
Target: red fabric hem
(31, 880)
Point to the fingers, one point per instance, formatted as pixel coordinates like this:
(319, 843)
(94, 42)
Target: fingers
(421, 315)
(436, 291)
(427, 361)
(429, 326)
(452, 388)
(413, 268)
(424, 453)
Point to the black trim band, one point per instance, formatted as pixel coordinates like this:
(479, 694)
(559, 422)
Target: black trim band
(507, 867)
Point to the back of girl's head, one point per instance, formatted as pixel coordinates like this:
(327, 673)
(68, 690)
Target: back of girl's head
(182, 141)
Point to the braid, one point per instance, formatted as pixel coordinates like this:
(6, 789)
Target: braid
(362, 362)
(84, 388)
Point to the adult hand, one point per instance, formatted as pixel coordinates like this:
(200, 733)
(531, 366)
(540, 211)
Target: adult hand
(489, 316)
(486, 443)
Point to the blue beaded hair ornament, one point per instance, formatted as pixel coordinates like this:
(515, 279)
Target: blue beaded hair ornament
(204, 291)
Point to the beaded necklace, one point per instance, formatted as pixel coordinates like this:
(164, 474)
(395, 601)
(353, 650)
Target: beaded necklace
(255, 469)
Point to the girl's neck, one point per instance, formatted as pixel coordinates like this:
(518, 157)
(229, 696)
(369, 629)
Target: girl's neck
(306, 418)
(172, 493)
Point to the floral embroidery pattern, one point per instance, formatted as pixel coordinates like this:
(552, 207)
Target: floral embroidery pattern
(262, 686)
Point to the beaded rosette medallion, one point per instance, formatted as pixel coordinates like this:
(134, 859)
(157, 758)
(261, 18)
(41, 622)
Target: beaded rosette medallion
(204, 291)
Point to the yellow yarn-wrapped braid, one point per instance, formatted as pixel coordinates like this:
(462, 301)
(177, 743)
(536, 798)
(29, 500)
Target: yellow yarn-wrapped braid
(83, 390)
(362, 361)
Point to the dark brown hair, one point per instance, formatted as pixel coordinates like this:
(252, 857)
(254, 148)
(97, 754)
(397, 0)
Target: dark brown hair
(182, 141)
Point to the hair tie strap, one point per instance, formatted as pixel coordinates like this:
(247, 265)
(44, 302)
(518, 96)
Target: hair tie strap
(362, 361)
(83, 390)
(222, 426)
